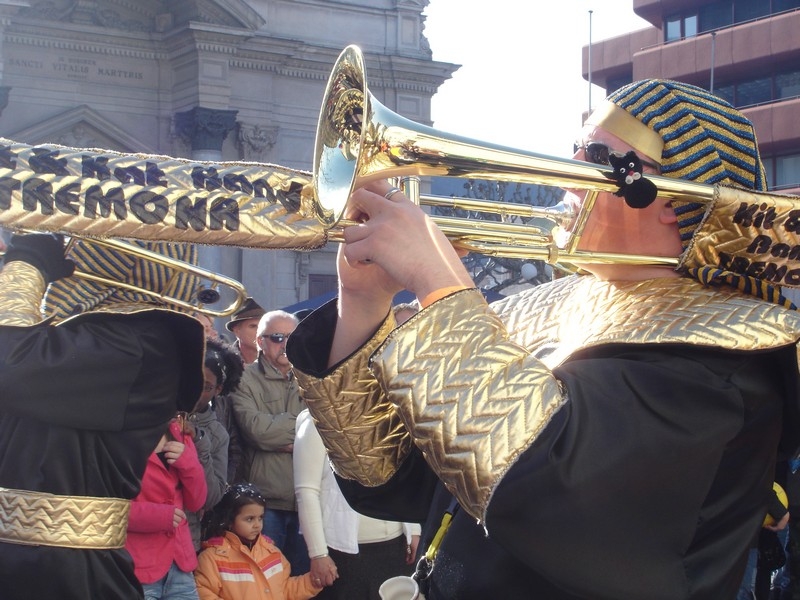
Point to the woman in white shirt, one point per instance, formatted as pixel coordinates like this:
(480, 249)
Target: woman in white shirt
(351, 554)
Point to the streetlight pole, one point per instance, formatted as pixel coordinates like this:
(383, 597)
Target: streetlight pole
(713, 52)
(589, 61)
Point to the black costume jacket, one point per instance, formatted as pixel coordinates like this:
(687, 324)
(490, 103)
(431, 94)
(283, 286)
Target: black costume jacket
(604, 441)
(82, 405)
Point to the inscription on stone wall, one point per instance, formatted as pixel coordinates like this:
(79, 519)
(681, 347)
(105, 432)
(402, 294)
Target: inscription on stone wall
(94, 69)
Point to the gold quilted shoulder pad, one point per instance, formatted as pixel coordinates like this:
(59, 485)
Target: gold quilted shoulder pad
(555, 320)
(472, 398)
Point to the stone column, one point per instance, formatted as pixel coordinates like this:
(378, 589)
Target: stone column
(205, 129)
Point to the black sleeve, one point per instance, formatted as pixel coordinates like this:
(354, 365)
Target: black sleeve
(405, 497)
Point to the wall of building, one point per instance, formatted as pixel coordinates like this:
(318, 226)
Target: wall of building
(226, 80)
(750, 58)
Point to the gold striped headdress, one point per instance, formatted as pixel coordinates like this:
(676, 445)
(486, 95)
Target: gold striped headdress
(72, 296)
(703, 139)
(697, 136)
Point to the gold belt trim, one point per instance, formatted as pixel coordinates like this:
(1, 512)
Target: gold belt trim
(40, 519)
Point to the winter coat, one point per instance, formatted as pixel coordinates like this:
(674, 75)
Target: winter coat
(265, 406)
(153, 541)
(229, 570)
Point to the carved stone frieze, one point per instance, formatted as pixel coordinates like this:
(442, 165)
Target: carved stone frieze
(255, 141)
(143, 15)
(111, 15)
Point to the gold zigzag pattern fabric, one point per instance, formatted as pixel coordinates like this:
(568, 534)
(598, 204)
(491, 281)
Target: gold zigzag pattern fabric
(66, 521)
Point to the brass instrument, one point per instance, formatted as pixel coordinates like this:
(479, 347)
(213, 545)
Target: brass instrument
(359, 140)
(203, 296)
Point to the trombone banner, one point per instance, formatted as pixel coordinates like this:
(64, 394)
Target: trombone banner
(106, 194)
(749, 233)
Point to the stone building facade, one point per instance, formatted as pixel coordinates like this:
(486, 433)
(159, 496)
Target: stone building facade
(212, 80)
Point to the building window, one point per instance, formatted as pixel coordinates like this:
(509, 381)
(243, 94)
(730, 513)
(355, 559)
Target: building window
(787, 171)
(725, 13)
(716, 15)
(690, 26)
(752, 92)
(770, 87)
(672, 28)
(781, 5)
(726, 92)
(747, 10)
(783, 172)
(319, 284)
(787, 85)
(680, 26)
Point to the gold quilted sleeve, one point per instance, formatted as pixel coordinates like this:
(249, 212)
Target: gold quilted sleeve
(362, 431)
(21, 289)
(472, 400)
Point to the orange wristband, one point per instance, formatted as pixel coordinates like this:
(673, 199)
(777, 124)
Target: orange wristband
(440, 293)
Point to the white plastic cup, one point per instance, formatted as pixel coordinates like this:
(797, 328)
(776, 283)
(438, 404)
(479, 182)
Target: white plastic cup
(400, 588)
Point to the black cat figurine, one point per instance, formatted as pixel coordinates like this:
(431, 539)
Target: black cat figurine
(638, 191)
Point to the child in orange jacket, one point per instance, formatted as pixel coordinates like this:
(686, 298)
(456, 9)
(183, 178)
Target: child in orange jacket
(238, 562)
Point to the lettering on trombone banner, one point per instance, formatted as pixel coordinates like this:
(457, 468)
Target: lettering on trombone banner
(766, 258)
(46, 193)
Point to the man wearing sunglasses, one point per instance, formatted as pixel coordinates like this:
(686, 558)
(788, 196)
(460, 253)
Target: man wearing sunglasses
(265, 406)
(611, 434)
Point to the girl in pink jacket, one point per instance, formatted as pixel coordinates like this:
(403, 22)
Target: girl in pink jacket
(159, 539)
(238, 562)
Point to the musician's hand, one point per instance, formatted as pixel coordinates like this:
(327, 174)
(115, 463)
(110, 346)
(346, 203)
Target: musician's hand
(400, 238)
(395, 246)
(780, 525)
(44, 251)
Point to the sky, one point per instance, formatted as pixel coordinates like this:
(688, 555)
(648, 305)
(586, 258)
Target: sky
(521, 65)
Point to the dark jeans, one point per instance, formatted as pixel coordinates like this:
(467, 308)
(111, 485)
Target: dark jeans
(283, 528)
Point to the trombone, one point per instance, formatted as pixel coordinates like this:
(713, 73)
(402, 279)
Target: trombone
(359, 140)
(203, 296)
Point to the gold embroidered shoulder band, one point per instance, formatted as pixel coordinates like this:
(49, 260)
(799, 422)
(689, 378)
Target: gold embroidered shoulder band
(40, 519)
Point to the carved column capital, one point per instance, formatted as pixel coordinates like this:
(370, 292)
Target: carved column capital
(205, 128)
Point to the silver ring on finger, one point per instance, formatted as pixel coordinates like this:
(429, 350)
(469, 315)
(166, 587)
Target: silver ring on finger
(392, 191)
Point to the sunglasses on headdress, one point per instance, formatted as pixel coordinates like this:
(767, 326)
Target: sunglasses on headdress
(598, 153)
